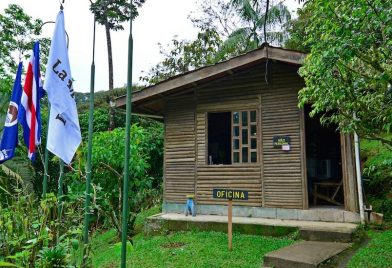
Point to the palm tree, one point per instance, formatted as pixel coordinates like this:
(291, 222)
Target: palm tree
(111, 14)
(251, 35)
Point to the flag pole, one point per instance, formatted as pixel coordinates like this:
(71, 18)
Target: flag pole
(60, 189)
(46, 160)
(127, 148)
(89, 154)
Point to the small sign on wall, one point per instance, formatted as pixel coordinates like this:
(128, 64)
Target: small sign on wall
(281, 142)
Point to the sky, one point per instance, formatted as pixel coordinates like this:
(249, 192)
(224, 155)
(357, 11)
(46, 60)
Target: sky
(158, 22)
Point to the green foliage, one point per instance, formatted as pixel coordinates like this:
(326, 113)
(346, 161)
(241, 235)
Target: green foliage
(252, 14)
(184, 56)
(17, 171)
(375, 254)
(228, 28)
(192, 249)
(377, 174)
(297, 31)
(101, 98)
(113, 13)
(54, 257)
(18, 33)
(32, 233)
(101, 121)
(349, 70)
(143, 215)
(108, 165)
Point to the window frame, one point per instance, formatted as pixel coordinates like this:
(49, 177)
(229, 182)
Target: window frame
(248, 127)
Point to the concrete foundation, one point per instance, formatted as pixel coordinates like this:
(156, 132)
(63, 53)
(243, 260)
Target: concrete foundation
(313, 230)
(313, 214)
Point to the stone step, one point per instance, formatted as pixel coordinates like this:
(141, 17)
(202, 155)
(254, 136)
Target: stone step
(305, 254)
(335, 234)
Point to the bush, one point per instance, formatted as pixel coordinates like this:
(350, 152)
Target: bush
(33, 234)
(107, 175)
(377, 176)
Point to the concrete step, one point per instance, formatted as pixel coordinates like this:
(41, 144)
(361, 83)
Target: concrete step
(262, 226)
(305, 254)
(327, 234)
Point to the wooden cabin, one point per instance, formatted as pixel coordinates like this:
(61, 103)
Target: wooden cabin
(237, 125)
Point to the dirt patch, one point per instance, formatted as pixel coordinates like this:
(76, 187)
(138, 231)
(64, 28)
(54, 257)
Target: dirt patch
(173, 245)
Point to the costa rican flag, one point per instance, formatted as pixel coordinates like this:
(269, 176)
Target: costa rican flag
(29, 109)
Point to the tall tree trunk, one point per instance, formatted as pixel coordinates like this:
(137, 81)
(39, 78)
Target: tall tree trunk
(110, 64)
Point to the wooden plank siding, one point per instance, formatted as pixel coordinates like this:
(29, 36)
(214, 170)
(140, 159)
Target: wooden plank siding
(243, 176)
(277, 180)
(282, 173)
(237, 92)
(179, 152)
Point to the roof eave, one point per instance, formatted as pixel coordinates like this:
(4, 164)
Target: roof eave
(209, 72)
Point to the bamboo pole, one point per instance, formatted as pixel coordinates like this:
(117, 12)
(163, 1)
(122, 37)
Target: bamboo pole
(46, 161)
(127, 148)
(89, 155)
(60, 189)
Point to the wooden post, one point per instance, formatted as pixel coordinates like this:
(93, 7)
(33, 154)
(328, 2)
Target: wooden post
(230, 224)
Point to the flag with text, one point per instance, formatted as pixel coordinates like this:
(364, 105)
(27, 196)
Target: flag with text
(63, 132)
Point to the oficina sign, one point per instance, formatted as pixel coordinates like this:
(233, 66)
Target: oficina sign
(230, 194)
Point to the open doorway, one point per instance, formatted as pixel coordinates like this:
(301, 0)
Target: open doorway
(219, 138)
(324, 163)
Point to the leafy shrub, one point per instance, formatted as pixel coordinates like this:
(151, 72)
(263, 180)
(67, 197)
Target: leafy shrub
(33, 234)
(377, 175)
(107, 175)
(54, 257)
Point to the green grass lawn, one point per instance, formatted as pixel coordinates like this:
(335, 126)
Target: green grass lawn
(186, 249)
(378, 253)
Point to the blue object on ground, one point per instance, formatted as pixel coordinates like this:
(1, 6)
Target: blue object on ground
(190, 206)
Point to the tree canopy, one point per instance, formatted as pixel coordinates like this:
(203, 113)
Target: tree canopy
(228, 28)
(18, 33)
(348, 73)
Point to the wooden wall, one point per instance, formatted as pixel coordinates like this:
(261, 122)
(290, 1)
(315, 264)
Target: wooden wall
(179, 166)
(277, 180)
(282, 171)
(237, 92)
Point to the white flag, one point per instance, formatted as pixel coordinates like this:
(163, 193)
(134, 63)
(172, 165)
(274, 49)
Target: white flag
(64, 132)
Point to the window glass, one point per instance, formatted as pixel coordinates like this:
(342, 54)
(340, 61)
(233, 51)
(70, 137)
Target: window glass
(236, 144)
(253, 130)
(236, 157)
(253, 116)
(244, 118)
(244, 136)
(236, 117)
(244, 154)
(253, 157)
(253, 143)
(236, 131)
(232, 137)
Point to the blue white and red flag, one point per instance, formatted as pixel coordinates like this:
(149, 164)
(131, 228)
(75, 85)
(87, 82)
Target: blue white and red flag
(29, 109)
(9, 141)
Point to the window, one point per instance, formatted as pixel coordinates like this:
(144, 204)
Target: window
(219, 138)
(232, 137)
